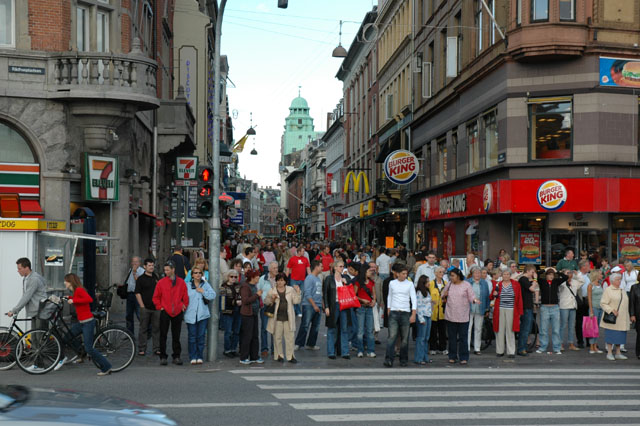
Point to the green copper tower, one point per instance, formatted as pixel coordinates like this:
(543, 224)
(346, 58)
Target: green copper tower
(298, 128)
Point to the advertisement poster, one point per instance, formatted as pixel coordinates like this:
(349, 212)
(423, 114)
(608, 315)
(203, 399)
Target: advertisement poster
(629, 246)
(529, 250)
(449, 239)
(102, 246)
(619, 72)
(54, 257)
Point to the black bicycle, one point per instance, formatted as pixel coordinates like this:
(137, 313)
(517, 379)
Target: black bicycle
(38, 351)
(9, 337)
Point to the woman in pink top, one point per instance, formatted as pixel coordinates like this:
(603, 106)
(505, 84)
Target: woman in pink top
(459, 297)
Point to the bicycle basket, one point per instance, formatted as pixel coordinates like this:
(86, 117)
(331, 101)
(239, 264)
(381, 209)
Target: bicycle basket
(47, 309)
(105, 298)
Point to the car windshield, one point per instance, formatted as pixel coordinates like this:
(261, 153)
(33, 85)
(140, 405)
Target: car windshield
(10, 395)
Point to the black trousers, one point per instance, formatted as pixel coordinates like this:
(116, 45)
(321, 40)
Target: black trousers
(638, 337)
(438, 336)
(249, 338)
(176, 327)
(582, 311)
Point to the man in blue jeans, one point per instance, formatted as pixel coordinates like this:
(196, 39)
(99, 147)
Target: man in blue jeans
(311, 309)
(528, 287)
(401, 308)
(550, 311)
(297, 270)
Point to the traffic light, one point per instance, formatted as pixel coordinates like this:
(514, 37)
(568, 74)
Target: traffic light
(205, 191)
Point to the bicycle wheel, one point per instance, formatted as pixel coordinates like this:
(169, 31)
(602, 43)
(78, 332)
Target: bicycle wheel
(8, 344)
(38, 351)
(117, 345)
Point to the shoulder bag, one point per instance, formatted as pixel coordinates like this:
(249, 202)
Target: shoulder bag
(122, 289)
(610, 318)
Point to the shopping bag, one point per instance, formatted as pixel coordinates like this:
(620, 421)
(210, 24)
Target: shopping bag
(589, 326)
(347, 297)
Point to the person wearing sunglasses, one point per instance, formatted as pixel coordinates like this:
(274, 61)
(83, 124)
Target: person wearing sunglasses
(197, 314)
(230, 308)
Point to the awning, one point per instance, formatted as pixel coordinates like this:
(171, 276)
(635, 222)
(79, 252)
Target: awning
(342, 222)
(31, 208)
(152, 216)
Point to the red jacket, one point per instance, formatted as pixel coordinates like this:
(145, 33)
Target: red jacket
(82, 302)
(170, 297)
(517, 306)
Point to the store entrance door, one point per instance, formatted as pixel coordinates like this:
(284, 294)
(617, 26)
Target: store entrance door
(593, 241)
(561, 241)
(590, 240)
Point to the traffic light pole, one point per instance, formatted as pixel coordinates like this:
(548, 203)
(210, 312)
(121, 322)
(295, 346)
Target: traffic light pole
(214, 224)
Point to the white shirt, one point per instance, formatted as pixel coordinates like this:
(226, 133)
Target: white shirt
(585, 287)
(402, 296)
(428, 270)
(628, 279)
(131, 280)
(383, 263)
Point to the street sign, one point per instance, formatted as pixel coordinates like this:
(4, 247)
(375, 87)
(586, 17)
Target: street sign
(182, 182)
(238, 219)
(232, 212)
(186, 167)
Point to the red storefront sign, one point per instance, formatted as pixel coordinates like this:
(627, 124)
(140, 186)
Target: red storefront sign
(629, 246)
(536, 196)
(328, 182)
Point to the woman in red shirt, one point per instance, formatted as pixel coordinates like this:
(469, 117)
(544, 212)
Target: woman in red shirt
(86, 322)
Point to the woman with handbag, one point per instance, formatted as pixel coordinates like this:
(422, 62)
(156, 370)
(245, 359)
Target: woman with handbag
(283, 320)
(594, 295)
(615, 321)
(197, 314)
(337, 320)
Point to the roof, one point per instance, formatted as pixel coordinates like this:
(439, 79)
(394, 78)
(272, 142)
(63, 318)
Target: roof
(299, 103)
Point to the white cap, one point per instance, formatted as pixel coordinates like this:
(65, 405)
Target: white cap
(616, 269)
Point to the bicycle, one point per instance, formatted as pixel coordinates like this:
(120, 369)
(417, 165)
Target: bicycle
(39, 351)
(104, 299)
(9, 337)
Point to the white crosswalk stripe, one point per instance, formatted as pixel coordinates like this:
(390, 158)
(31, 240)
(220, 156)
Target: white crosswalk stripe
(425, 396)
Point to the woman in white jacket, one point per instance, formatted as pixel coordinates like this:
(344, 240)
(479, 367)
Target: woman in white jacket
(568, 306)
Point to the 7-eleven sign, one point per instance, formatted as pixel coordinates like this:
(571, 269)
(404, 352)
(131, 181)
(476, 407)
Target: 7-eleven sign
(101, 178)
(186, 167)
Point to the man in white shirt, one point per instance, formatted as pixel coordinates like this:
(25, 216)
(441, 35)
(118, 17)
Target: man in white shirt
(383, 262)
(428, 269)
(401, 309)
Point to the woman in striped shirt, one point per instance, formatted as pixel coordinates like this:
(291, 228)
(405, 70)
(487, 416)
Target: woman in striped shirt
(506, 314)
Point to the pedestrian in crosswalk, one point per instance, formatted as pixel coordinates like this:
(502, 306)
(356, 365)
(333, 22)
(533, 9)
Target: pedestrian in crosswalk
(425, 303)
(401, 307)
(338, 322)
(283, 323)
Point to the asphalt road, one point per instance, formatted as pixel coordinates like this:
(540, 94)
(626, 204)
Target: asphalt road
(573, 388)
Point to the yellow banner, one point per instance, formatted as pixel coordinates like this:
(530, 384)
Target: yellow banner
(32, 225)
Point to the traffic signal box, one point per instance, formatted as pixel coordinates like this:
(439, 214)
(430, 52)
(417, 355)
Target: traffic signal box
(205, 191)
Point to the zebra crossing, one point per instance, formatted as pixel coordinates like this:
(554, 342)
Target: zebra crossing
(518, 396)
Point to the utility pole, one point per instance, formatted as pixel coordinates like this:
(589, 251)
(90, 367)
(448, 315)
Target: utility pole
(214, 224)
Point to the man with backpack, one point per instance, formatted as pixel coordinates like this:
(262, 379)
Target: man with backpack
(180, 261)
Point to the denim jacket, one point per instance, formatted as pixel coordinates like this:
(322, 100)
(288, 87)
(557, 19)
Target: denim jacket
(197, 310)
(484, 296)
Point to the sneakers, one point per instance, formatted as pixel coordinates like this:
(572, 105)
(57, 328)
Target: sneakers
(371, 355)
(538, 351)
(620, 356)
(313, 348)
(296, 347)
(360, 355)
(194, 362)
(346, 357)
(433, 352)
(199, 361)
(445, 352)
(245, 362)
(259, 361)
(299, 315)
(104, 373)
(558, 352)
(60, 364)
(610, 357)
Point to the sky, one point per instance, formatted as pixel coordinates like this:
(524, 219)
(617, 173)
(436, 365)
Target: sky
(271, 52)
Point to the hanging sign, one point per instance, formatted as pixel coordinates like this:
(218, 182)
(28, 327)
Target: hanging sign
(101, 179)
(186, 167)
(529, 251)
(290, 228)
(401, 167)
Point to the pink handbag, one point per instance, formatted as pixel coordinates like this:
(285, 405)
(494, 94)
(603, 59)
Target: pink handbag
(590, 326)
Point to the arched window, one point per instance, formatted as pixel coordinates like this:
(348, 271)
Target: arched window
(13, 147)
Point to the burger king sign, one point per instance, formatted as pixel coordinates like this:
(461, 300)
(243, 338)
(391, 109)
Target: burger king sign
(552, 195)
(401, 167)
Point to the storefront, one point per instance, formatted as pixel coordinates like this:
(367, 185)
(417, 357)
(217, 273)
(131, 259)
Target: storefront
(536, 220)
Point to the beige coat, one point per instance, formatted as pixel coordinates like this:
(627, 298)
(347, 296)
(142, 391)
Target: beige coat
(609, 302)
(293, 298)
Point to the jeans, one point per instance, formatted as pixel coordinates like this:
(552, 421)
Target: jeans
(398, 327)
(550, 316)
(597, 312)
(87, 329)
(308, 332)
(249, 338)
(526, 322)
(264, 335)
(365, 330)
(176, 327)
(197, 333)
(332, 333)
(422, 341)
(458, 340)
(568, 319)
(231, 324)
(292, 282)
(353, 332)
(383, 277)
(133, 307)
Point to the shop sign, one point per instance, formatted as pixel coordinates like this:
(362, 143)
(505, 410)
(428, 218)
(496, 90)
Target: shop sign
(238, 219)
(487, 197)
(32, 225)
(356, 181)
(101, 178)
(473, 201)
(552, 195)
(389, 242)
(186, 167)
(424, 209)
(578, 220)
(619, 72)
(328, 182)
(629, 246)
(453, 204)
(529, 249)
(401, 167)
(290, 228)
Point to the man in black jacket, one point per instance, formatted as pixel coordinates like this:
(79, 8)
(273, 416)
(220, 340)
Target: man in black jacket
(181, 262)
(634, 312)
(549, 309)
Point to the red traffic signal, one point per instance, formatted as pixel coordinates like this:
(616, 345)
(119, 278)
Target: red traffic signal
(205, 174)
(205, 191)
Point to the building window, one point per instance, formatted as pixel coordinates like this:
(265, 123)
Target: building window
(491, 138)
(442, 159)
(82, 29)
(13, 147)
(147, 31)
(454, 155)
(551, 129)
(102, 32)
(474, 146)
(7, 23)
(567, 10)
(539, 10)
(458, 24)
(518, 12)
(427, 166)
(492, 32)
(479, 28)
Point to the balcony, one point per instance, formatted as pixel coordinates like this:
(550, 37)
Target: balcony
(387, 191)
(540, 42)
(175, 125)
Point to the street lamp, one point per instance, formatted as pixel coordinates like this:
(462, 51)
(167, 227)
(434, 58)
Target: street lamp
(251, 131)
(339, 52)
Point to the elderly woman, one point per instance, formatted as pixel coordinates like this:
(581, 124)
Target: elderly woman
(283, 322)
(459, 297)
(478, 312)
(615, 300)
(594, 296)
(438, 335)
(506, 313)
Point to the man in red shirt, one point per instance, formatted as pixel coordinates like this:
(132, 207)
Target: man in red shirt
(325, 257)
(297, 270)
(172, 299)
